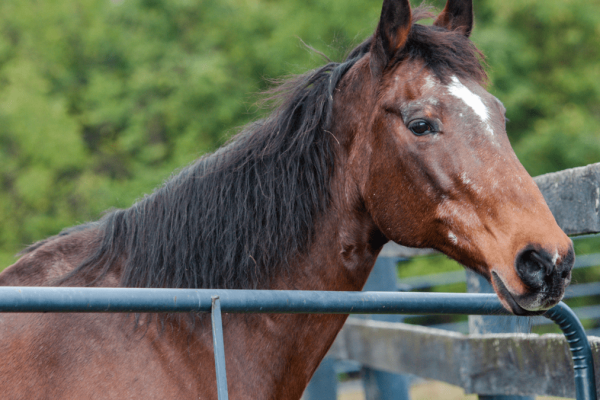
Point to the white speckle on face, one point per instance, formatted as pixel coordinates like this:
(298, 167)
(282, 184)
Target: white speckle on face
(464, 179)
(452, 237)
(555, 258)
(429, 83)
(536, 303)
(458, 90)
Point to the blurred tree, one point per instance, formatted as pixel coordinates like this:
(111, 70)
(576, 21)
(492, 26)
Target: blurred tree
(100, 100)
(545, 67)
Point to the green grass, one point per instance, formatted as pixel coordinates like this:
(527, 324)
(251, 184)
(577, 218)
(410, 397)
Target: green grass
(427, 265)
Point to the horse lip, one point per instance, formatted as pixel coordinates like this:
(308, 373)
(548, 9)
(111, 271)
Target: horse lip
(508, 297)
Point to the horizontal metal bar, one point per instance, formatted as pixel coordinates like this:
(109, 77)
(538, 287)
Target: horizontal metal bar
(587, 260)
(70, 299)
(582, 289)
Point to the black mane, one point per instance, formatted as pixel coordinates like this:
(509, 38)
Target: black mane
(235, 217)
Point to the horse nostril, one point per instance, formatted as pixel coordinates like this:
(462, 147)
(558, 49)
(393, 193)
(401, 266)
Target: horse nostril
(533, 267)
(546, 263)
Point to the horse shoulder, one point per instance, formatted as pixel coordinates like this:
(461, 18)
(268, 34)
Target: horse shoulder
(70, 356)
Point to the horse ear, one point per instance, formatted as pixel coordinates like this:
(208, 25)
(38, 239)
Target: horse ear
(457, 15)
(391, 33)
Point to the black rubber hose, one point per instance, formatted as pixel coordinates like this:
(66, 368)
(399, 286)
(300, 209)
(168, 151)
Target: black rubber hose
(581, 352)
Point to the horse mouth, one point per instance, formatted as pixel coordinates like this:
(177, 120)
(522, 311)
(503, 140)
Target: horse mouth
(508, 298)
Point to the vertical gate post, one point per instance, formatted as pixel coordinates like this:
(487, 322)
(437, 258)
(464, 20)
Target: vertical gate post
(219, 348)
(480, 324)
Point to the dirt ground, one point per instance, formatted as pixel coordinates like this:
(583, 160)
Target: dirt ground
(428, 390)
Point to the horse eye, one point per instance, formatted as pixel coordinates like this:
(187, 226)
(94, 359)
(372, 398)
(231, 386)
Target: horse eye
(420, 127)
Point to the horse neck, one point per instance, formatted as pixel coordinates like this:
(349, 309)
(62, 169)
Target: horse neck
(341, 257)
(342, 254)
(346, 241)
(283, 351)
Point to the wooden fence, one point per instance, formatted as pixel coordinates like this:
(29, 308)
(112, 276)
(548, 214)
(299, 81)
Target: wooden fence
(497, 364)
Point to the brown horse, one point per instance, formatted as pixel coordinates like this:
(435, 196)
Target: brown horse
(401, 142)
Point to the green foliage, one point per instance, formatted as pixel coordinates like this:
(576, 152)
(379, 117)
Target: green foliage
(100, 100)
(545, 67)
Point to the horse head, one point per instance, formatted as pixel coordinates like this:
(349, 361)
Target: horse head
(435, 167)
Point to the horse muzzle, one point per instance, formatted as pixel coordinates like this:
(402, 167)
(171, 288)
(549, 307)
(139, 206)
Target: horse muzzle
(543, 278)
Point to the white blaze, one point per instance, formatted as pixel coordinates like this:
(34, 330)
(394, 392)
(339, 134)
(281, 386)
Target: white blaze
(458, 90)
(452, 237)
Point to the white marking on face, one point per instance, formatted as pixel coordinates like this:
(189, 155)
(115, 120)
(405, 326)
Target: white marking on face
(464, 179)
(429, 83)
(452, 237)
(555, 258)
(458, 90)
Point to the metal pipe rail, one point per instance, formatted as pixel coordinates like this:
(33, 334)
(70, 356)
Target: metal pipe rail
(133, 300)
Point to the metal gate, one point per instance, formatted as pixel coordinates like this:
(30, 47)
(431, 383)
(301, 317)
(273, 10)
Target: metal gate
(215, 301)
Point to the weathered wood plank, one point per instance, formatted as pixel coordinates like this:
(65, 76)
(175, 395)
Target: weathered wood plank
(499, 364)
(573, 196)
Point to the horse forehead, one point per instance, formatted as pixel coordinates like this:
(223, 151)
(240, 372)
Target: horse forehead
(470, 94)
(461, 92)
(474, 104)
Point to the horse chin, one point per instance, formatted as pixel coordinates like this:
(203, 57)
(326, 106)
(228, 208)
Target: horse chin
(509, 301)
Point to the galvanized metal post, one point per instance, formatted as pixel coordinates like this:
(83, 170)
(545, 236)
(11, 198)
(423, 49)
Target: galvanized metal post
(481, 324)
(219, 348)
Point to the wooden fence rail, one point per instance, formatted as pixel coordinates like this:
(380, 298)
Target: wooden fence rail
(493, 364)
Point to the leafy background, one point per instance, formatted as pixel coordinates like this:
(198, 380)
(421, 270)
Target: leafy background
(101, 100)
